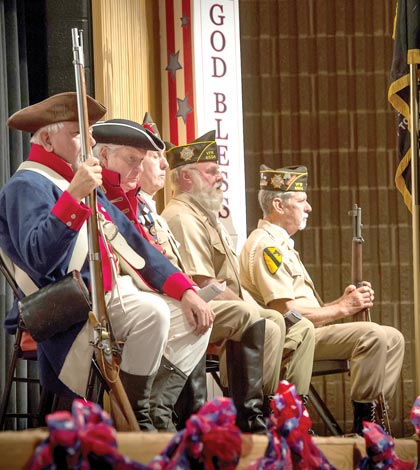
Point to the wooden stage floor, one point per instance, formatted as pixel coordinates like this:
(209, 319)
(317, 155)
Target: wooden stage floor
(17, 447)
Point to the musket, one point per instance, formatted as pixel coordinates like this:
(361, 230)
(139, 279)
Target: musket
(357, 280)
(121, 410)
(357, 258)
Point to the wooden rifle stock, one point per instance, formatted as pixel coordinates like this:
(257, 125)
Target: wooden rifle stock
(357, 258)
(121, 410)
(357, 279)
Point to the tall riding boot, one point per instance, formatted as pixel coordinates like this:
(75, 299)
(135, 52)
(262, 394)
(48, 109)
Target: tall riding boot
(363, 412)
(193, 395)
(169, 382)
(138, 389)
(245, 369)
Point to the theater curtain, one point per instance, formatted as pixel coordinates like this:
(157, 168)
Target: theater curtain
(14, 145)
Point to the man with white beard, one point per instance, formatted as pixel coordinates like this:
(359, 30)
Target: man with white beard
(272, 271)
(207, 251)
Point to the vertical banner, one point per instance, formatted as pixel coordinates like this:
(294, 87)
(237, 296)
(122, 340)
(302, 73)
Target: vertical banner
(201, 89)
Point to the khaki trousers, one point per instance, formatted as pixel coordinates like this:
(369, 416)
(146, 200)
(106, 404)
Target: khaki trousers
(375, 352)
(232, 319)
(298, 353)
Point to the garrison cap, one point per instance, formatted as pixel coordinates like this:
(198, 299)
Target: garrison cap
(290, 178)
(56, 108)
(203, 149)
(149, 124)
(126, 132)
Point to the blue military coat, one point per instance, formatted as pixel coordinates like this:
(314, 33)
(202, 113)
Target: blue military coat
(39, 224)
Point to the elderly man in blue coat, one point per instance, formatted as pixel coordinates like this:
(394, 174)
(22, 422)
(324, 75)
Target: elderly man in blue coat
(153, 307)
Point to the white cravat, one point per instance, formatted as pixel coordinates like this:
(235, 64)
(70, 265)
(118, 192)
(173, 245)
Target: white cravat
(150, 201)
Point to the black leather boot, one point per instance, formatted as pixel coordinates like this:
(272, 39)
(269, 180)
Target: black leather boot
(305, 402)
(266, 409)
(167, 386)
(193, 395)
(244, 369)
(138, 389)
(363, 412)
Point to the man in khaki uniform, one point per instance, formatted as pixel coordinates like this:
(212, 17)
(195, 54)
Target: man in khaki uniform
(207, 251)
(118, 142)
(273, 273)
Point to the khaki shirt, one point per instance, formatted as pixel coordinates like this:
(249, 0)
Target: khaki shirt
(205, 246)
(270, 268)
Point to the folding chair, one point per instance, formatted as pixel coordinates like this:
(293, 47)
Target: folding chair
(321, 368)
(24, 351)
(39, 400)
(212, 364)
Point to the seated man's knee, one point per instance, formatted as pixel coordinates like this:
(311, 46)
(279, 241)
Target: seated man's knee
(158, 316)
(274, 316)
(308, 326)
(397, 337)
(273, 332)
(372, 336)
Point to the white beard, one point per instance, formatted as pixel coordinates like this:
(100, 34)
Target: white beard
(210, 198)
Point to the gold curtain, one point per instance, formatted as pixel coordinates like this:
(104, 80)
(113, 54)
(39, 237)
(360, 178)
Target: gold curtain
(126, 66)
(127, 60)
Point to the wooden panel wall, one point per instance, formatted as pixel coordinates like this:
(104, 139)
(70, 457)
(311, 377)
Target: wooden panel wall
(315, 78)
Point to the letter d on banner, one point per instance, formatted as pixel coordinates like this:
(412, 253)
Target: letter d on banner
(201, 89)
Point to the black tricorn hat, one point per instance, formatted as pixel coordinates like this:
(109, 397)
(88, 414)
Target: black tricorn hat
(290, 178)
(126, 132)
(203, 149)
(149, 124)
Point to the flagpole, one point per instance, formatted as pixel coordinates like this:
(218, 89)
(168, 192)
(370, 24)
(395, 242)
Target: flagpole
(414, 116)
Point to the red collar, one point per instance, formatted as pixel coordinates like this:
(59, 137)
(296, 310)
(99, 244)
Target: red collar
(51, 160)
(112, 178)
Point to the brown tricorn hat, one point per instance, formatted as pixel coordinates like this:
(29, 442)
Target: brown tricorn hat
(56, 108)
(290, 178)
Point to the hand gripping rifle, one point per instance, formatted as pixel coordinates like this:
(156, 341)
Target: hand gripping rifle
(121, 411)
(357, 258)
(357, 280)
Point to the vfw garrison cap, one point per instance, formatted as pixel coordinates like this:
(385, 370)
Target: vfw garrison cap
(126, 132)
(290, 178)
(56, 108)
(203, 149)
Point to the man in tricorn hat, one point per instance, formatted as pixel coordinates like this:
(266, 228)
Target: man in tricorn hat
(234, 319)
(272, 271)
(42, 218)
(207, 251)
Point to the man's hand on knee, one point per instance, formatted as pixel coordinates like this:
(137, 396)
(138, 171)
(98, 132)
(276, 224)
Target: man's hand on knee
(198, 313)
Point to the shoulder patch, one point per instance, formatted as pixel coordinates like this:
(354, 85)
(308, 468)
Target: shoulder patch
(272, 259)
